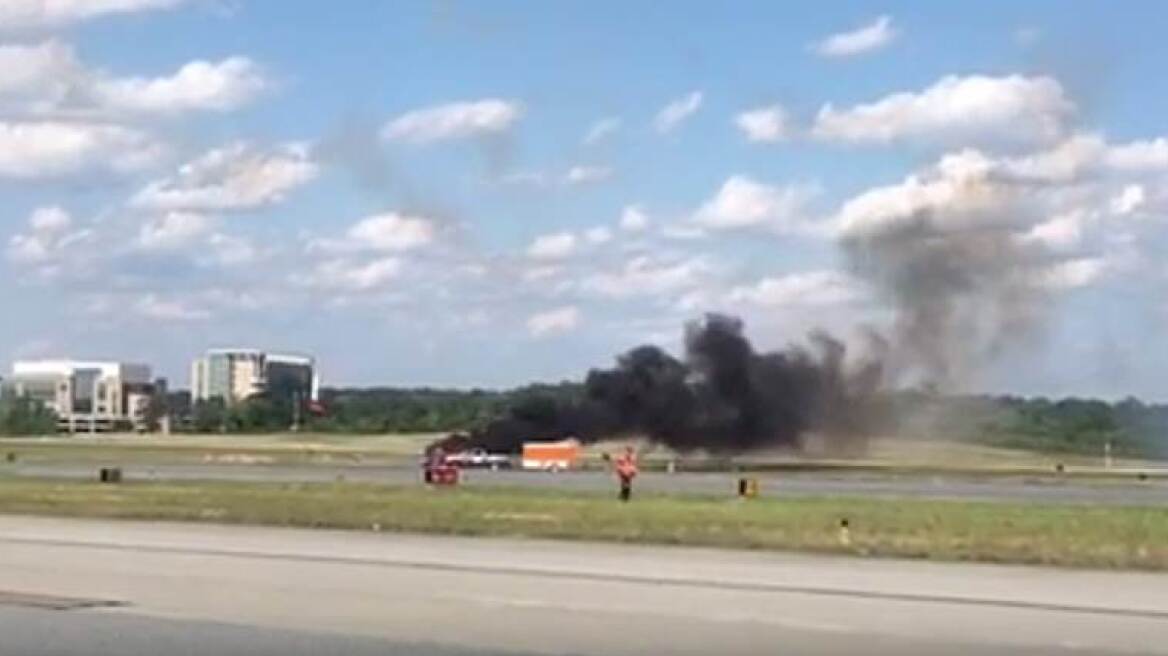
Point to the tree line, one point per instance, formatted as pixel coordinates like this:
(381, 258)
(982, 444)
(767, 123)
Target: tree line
(1084, 426)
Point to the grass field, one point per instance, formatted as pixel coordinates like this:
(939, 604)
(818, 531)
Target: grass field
(997, 532)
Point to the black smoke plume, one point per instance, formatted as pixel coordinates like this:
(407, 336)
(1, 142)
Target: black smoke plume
(723, 397)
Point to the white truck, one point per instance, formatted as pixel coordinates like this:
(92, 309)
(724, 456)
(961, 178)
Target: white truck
(479, 458)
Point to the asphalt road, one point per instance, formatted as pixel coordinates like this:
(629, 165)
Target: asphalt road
(1037, 489)
(128, 589)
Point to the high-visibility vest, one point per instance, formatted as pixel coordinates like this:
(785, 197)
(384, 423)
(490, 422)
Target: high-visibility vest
(626, 466)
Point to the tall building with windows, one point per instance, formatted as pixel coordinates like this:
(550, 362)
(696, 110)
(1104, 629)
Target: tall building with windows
(86, 396)
(236, 374)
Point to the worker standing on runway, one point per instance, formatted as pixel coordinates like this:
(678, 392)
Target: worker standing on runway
(626, 471)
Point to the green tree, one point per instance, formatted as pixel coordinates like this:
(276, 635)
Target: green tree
(209, 415)
(20, 415)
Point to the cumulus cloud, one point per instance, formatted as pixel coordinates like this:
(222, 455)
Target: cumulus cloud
(348, 275)
(229, 251)
(809, 288)
(745, 203)
(1129, 200)
(1060, 233)
(40, 72)
(600, 130)
(197, 86)
(953, 193)
(174, 230)
(47, 79)
(48, 149)
(30, 14)
(392, 232)
(1140, 155)
(598, 235)
(583, 174)
(1012, 108)
(50, 232)
(236, 177)
(646, 275)
(554, 322)
(763, 125)
(634, 219)
(1075, 273)
(387, 232)
(867, 38)
(555, 246)
(457, 120)
(676, 112)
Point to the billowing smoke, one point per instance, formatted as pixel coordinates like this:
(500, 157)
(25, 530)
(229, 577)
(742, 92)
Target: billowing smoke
(723, 397)
(961, 256)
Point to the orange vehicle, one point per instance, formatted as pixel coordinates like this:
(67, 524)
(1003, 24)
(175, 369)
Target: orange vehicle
(551, 456)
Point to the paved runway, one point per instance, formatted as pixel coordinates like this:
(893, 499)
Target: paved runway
(150, 588)
(1045, 489)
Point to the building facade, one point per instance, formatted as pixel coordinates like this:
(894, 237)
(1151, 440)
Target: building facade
(86, 396)
(237, 374)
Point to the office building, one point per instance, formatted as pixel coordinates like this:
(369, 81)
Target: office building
(237, 374)
(86, 396)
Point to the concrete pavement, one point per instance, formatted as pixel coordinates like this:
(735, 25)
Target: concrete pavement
(451, 595)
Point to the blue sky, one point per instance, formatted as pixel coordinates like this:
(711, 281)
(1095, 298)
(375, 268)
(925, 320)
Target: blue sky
(487, 193)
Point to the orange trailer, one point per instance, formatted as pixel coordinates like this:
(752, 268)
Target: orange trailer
(552, 456)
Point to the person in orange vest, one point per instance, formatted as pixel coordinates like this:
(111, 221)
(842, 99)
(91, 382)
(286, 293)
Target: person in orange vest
(626, 471)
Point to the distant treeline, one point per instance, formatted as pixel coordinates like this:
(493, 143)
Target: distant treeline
(367, 410)
(1071, 425)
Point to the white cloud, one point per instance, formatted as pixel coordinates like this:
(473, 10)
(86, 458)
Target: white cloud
(647, 276)
(454, 121)
(1129, 200)
(634, 219)
(1063, 162)
(581, 175)
(1072, 274)
(174, 230)
(50, 232)
(46, 149)
(541, 272)
(151, 306)
(556, 246)
(1013, 108)
(25, 14)
(392, 232)
(956, 190)
(676, 112)
(553, 322)
(818, 288)
(235, 177)
(229, 251)
(598, 235)
(1063, 232)
(763, 125)
(388, 232)
(197, 86)
(343, 274)
(600, 130)
(42, 71)
(1139, 155)
(744, 203)
(867, 38)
